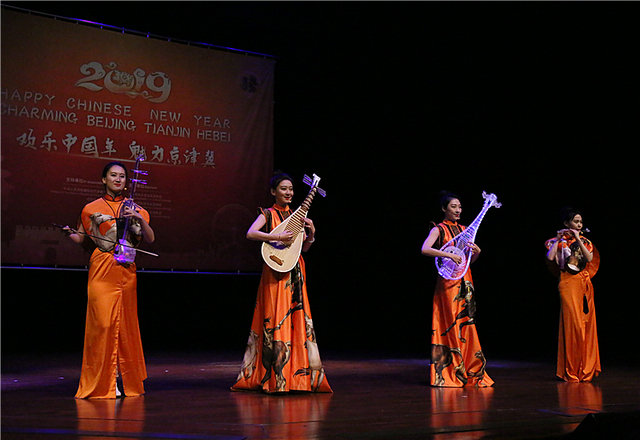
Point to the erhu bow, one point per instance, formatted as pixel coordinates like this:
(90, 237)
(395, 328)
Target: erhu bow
(75, 231)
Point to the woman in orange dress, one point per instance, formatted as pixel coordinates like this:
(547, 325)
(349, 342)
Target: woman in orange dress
(457, 359)
(282, 353)
(112, 343)
(577, 260)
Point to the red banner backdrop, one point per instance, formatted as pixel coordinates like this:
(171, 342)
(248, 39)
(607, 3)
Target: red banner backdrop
(74, 97)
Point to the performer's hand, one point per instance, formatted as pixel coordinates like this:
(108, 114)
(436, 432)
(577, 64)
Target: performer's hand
(73, 234)
(568, 233)
(308, 223)
(129, 212)
(474, 248)
(284, 237)
(456, 258)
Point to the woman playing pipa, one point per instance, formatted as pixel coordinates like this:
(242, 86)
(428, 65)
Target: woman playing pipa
(457, 359)
(282, 352)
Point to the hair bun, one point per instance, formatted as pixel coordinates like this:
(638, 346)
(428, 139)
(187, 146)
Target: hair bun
(446, 197)
(567, 213)
(279, 176)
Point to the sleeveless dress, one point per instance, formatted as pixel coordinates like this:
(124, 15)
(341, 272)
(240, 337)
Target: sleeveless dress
(457, 359)
(282, 352)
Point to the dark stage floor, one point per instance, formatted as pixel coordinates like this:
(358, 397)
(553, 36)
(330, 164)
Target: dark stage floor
(188, 397)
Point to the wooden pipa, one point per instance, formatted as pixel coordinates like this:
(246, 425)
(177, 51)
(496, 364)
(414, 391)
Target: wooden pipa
(283, 256)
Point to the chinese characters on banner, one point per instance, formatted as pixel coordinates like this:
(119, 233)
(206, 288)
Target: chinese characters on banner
(75, 97)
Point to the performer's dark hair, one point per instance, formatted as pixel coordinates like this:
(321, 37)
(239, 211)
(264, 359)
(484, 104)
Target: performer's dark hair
(568, 213)
(279, 176)
(446, 197)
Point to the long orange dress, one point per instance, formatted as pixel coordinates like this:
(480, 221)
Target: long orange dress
(578, 352)
(282, 353)
(112, 334)
(457, 359)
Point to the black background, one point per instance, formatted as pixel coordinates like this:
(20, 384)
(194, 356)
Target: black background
(389, 103)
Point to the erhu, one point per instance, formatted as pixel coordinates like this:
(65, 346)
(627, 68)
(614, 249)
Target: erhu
(124, 251)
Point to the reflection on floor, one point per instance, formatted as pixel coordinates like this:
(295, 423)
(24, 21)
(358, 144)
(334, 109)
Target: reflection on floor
(188, 397)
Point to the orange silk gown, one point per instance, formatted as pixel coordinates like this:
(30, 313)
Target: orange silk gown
(112, 333)
(578, 352)
(282, 353)
(457, 359)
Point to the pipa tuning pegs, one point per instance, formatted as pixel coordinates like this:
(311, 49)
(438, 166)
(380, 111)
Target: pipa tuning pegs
(314, 183)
